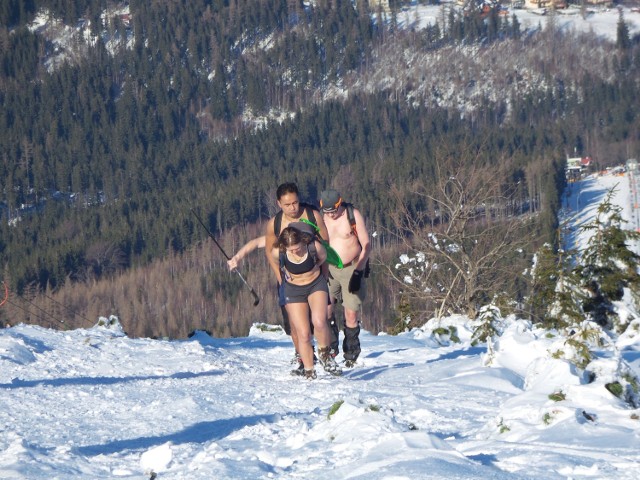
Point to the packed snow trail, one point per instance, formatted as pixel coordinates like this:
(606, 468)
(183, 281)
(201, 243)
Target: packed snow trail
(96, 404)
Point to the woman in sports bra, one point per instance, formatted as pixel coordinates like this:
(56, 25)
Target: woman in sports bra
(303, 290)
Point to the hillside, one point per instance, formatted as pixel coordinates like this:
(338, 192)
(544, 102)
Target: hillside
(117, 122)
(93, 403)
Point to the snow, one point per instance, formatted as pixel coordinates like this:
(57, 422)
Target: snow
(600, 21)
(582, 199)
(93, 403)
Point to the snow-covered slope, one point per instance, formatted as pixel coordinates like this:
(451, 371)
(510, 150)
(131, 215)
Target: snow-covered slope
(93, 403)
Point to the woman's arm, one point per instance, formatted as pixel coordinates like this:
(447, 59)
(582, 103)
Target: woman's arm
(246, 249)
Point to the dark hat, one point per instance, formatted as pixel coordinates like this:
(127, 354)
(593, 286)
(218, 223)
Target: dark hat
(330, 200)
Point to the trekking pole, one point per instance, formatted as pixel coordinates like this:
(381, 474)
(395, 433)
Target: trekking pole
(6, 294)
(89, 322)
(253, 292)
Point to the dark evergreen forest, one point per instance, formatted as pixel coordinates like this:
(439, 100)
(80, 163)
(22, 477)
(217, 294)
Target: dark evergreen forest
(105, 154)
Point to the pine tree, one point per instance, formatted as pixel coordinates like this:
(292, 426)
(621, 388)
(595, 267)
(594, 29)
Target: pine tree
(544, 279)
(623, 39)
(608, 264)
(487, 325)
(556, 295)
(565, 310)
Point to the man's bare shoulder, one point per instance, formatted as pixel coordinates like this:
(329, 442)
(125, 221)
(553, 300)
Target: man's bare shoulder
(357, 213)
(269, 228)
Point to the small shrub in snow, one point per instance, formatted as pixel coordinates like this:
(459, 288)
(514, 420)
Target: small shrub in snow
(445, 335)
(557, 396)
(502, 428)
(631, 334)
(632, 381)
(580, 340)
(618, 378)
(581, 355)
(487, 325)
(265, 327)
(615, 388)
(631, 385)
(404, 322)
(112, 323)
(334, 408)
(505, 304)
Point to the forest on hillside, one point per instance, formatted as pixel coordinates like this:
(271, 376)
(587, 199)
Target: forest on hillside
(105, 154)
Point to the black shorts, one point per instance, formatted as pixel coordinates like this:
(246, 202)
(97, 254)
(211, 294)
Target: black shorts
(300, 293)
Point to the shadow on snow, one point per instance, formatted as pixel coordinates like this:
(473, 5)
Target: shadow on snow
(59, 382)
(197, 433)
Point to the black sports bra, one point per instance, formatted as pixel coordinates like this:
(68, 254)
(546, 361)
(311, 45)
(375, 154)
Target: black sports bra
(303, 267)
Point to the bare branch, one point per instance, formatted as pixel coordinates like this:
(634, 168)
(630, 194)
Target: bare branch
(459, 235)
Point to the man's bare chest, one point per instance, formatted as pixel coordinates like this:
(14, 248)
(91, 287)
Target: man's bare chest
(339, 230)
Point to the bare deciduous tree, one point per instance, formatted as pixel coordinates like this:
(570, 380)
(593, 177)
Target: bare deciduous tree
(104, 259)
(460, 237)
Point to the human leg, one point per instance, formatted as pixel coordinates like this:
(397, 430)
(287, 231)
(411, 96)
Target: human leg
(286, 324)
(334, 331)
(334, 327)
(352, 304)
(294, 339)
(322, 332)
(334, 297)
(351, 343)
(299, 318)
(318, 307)
(311, 316)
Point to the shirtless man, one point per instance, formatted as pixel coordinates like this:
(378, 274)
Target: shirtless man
(292, 210)
(352, 244)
